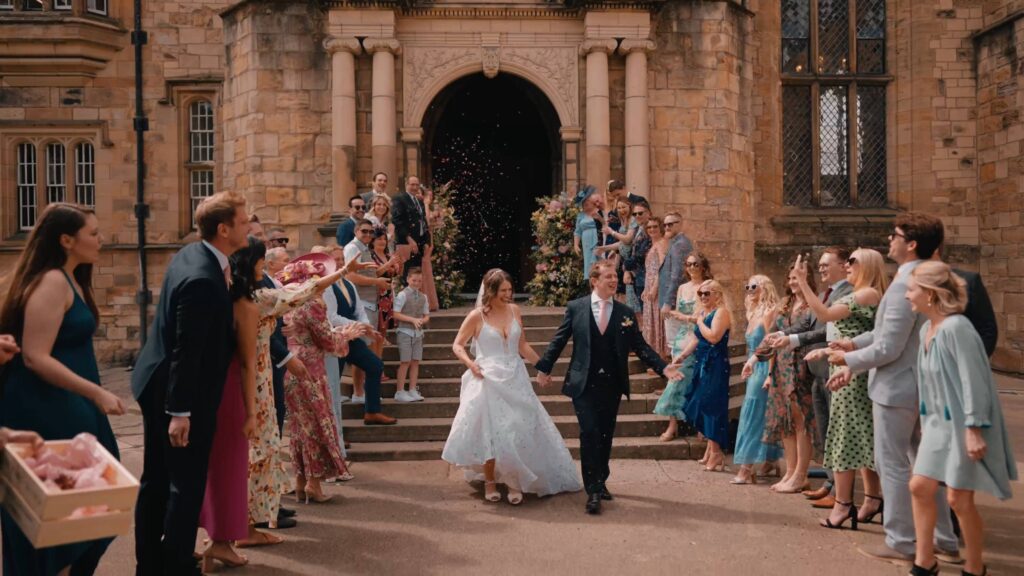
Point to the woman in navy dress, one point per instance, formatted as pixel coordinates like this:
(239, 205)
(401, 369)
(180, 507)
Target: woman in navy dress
(707, 405)
(53, 386)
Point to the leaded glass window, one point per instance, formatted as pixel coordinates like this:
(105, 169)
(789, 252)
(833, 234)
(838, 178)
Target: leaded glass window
(85, 174)
(201, 143)
(834, 111)
(26, 185)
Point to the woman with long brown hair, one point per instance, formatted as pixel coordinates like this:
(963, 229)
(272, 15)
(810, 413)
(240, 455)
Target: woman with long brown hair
(53, 386)
(502, 433)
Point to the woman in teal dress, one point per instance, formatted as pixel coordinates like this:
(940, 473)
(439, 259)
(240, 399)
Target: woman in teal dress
(964, 443)
(762, 306)
(589, 224)
(698, 269)
(849, 443)
(707, 404)
(53, 387)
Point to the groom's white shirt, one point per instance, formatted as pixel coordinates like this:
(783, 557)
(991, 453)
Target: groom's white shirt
(595, 306)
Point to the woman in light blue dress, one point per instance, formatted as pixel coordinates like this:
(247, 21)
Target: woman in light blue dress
(698, 269)
(964, 443)
(762, 308)
(589, 224)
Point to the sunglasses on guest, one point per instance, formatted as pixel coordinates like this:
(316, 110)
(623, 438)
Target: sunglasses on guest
(693, 264)
(851, 260)
(704, 293)
(673, 223)
(751, 287)
(359, 208)
(366, 230)
(281, 241)
(639, 213)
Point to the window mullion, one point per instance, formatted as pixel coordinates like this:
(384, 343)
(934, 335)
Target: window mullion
(813, 38)
(851, 66)
(816, 143)
(853, 123)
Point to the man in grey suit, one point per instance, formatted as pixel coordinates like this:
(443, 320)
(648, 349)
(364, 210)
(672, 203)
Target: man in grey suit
(812, 336)
(890, 353)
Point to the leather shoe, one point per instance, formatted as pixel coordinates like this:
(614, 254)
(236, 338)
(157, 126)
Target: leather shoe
(379, 419)
(816, 494)
(283, 512)
(605, 494)
(283, 522)
(826, 502)
(594, 503)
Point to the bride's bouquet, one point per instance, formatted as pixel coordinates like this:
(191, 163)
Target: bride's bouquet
(558, 276)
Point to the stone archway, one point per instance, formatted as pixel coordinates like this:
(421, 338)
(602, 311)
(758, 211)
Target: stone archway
(498, 140)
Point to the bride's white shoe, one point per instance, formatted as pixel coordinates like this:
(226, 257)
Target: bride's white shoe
(515, 497)
(491, 493)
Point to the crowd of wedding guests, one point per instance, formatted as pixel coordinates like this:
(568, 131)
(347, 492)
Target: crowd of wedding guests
(244, 333)
(860, 372)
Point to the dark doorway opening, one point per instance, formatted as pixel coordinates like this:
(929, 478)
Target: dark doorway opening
(497, 140)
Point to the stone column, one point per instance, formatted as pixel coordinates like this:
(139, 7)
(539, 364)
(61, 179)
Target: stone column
(343, 121)
(412, 136)
(638, 152)
(383, 113)
(571, 136)
(598, 134)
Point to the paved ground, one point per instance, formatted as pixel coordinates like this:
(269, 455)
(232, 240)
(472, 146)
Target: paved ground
(668, 518)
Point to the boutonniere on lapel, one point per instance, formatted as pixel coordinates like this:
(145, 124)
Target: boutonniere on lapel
(627, 323)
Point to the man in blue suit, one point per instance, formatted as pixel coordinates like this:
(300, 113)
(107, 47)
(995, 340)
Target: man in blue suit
(347, 229)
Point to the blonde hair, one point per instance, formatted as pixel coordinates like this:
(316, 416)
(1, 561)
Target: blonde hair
(387, 202)
(712, 285)
(947, 292)
(769, 297)
(871, 270)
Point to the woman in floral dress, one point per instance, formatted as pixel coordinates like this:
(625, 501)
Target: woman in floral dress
(790, 412)
(316, 452)
(268, 478)
(698, 269)
(651, 325)
(849, 443)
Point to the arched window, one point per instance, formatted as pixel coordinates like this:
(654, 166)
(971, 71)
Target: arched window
(833, 103)
(200, 165)
(56, 172)
(85, 174)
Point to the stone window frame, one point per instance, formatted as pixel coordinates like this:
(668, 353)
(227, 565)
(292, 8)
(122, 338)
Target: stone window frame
(184, 96)
(42, 139)
(850, 81)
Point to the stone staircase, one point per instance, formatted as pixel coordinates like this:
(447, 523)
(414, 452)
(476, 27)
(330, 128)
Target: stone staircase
(423, 426)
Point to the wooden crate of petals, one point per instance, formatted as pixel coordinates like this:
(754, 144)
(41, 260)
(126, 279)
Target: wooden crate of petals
(50, 516)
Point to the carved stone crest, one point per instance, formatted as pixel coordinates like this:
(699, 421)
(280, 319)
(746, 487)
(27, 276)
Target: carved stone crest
(490, 61)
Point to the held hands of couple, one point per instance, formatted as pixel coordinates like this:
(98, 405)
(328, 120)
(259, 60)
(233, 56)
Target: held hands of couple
(672, 372)
(544, 379)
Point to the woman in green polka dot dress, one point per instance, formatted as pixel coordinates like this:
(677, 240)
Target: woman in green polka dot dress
(849, 444)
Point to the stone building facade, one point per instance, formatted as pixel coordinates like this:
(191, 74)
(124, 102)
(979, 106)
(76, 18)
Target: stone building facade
(774, 128)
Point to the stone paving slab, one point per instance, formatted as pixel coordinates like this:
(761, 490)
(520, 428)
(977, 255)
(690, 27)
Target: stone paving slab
(421, 518)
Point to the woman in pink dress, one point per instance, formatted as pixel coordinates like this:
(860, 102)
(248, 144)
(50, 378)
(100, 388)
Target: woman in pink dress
(651, 325)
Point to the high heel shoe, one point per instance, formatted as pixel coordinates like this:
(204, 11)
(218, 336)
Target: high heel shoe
(317, 496)
(751, 477)
(916, 570)
(515, 497)
(881, 510)
(209, 565)
(491, 493)
(666, 437)
(851, 515)
(716, 463)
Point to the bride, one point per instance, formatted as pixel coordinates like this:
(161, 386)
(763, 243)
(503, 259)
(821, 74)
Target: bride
(501, 433)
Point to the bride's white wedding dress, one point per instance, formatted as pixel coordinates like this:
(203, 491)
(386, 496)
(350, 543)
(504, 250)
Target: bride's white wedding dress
(501, 418)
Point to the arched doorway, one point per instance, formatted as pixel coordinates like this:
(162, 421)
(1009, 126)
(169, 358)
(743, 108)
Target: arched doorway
(497, 140)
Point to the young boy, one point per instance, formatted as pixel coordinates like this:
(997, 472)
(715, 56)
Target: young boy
(411, 311)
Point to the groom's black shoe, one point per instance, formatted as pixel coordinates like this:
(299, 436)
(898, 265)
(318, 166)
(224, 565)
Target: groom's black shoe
(605, 494)
(594, 503)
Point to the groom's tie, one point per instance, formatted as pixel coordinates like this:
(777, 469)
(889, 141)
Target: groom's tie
(602, 312)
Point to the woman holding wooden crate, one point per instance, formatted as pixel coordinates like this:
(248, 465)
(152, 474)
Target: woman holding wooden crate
(53, 386)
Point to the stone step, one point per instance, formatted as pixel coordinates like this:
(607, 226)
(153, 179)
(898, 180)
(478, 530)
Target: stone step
(532, 317)
(443, 351)
(642, 383)
(427, 429)
(539, 335)
(646, 448)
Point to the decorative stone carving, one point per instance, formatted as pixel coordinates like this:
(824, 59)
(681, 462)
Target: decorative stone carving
(382, 45)
(334, 44)
(559, 66)
(636, 45)
(604, 45)
(490, 61)
(422, 65)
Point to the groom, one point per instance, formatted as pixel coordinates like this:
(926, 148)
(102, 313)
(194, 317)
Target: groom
(604, 332)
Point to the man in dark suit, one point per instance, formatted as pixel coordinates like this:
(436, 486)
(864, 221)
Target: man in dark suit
(347, 229)
(409, 216)
(178, 379)
(604, 332)
(617, 189)
(979, 306)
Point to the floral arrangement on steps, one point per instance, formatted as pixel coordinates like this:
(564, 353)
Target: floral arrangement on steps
(558, 274)
(448, 279)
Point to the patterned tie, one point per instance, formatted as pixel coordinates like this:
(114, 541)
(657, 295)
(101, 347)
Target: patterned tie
(827, 294)
(602, 314)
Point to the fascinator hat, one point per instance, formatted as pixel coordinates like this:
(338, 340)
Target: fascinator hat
(306, 267)
(583, 194)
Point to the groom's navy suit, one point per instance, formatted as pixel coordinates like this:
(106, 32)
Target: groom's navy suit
(598, 377)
